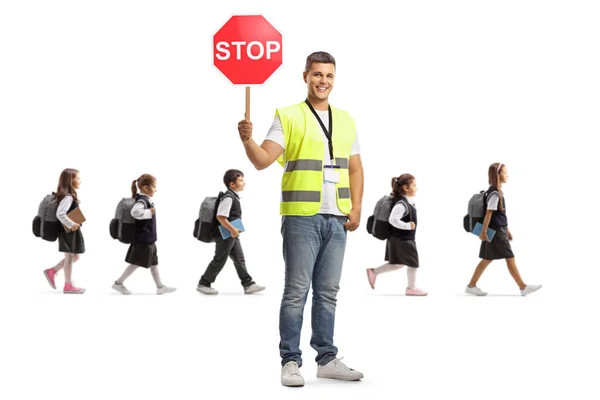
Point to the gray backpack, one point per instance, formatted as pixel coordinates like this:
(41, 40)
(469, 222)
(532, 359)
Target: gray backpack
(206, 225)
(378, 224)
(476, 210)
(45, 223)
(122, 226)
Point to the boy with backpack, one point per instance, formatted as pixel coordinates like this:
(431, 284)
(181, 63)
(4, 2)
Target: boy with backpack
(228, 210)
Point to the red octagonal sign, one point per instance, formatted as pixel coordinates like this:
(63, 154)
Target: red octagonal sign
(247, 49)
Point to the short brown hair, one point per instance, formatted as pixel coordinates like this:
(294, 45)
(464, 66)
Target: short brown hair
(318, 57)
(231, 176)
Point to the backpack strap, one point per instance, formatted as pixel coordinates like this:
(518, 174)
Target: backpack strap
(143, 200)
(404, 201)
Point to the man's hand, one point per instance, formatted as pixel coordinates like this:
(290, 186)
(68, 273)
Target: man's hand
(245, 130)
(353, 220)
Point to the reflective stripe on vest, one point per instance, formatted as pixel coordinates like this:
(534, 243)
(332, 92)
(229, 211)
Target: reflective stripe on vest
(304, 165)
(302, 181)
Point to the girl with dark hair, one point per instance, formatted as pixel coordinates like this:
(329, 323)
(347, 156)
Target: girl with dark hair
(401, 249)
(142, 251)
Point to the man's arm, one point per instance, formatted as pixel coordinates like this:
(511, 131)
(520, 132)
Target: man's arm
(260, 156)
(355, 170)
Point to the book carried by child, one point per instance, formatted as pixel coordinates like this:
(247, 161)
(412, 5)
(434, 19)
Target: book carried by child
(237, 223)
(76, 216)
(477, 231)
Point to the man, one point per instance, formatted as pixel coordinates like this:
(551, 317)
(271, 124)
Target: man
(321, 198)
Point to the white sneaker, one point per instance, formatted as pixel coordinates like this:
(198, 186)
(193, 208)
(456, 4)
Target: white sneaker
(290, 375)
(530, 289)
(475, 290)
(254, 288)
(206, 290)
(119, 287)
(336, 369)
(165, 289)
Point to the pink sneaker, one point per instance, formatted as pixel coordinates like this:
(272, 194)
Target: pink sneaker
(415, 292)
(70, 289)
(371, 276)
(49, 274)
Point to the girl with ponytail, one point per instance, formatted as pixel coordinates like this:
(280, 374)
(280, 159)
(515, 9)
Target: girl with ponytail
(142, 251)
(401, 249)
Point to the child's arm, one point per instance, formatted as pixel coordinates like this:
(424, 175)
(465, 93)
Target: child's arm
(139, 211)
(223, 213)
(227, 225)
(61, 213)
(486, 221)
(398, 212)
(492, 205)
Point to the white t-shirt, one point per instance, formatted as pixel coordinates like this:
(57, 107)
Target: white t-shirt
(493, 199)
(225, 205)
(329, 197)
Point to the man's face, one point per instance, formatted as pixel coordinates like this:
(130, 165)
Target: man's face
(319, 80)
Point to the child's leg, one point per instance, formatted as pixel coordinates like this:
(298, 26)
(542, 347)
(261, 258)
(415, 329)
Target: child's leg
(412, 289)
(222, 249)
(61, 264)
(68, 266)
(514, 272)
(156, 276)
(237, 256)
(387, 268)
(160, 288)
(411, 274)
(373, 272)
(127, 273)
(479, 271)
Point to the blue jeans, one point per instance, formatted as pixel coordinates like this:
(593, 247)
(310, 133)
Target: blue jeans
(313, 251)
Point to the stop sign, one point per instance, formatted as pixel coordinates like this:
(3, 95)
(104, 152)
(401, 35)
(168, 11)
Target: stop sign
(247, 49)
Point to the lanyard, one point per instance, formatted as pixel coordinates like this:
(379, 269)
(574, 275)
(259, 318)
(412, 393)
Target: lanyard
(328, 132)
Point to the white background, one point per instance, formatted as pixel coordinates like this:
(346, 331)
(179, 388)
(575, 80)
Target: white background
(438, 89)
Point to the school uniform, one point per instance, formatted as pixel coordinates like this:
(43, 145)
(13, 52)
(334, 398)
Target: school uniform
(499, 248)
(142, 250)
(229, 207)
(401, 247)
(69, 242)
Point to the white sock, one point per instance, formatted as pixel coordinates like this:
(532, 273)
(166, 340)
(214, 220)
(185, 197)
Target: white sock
(127, 273)
(411, 274)
(387, 268)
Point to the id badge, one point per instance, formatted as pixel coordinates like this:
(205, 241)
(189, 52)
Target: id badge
(331, 173)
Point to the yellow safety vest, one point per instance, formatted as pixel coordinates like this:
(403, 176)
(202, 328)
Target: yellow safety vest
(302, 180)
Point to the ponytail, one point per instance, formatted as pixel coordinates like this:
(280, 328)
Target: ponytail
(134, 188)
